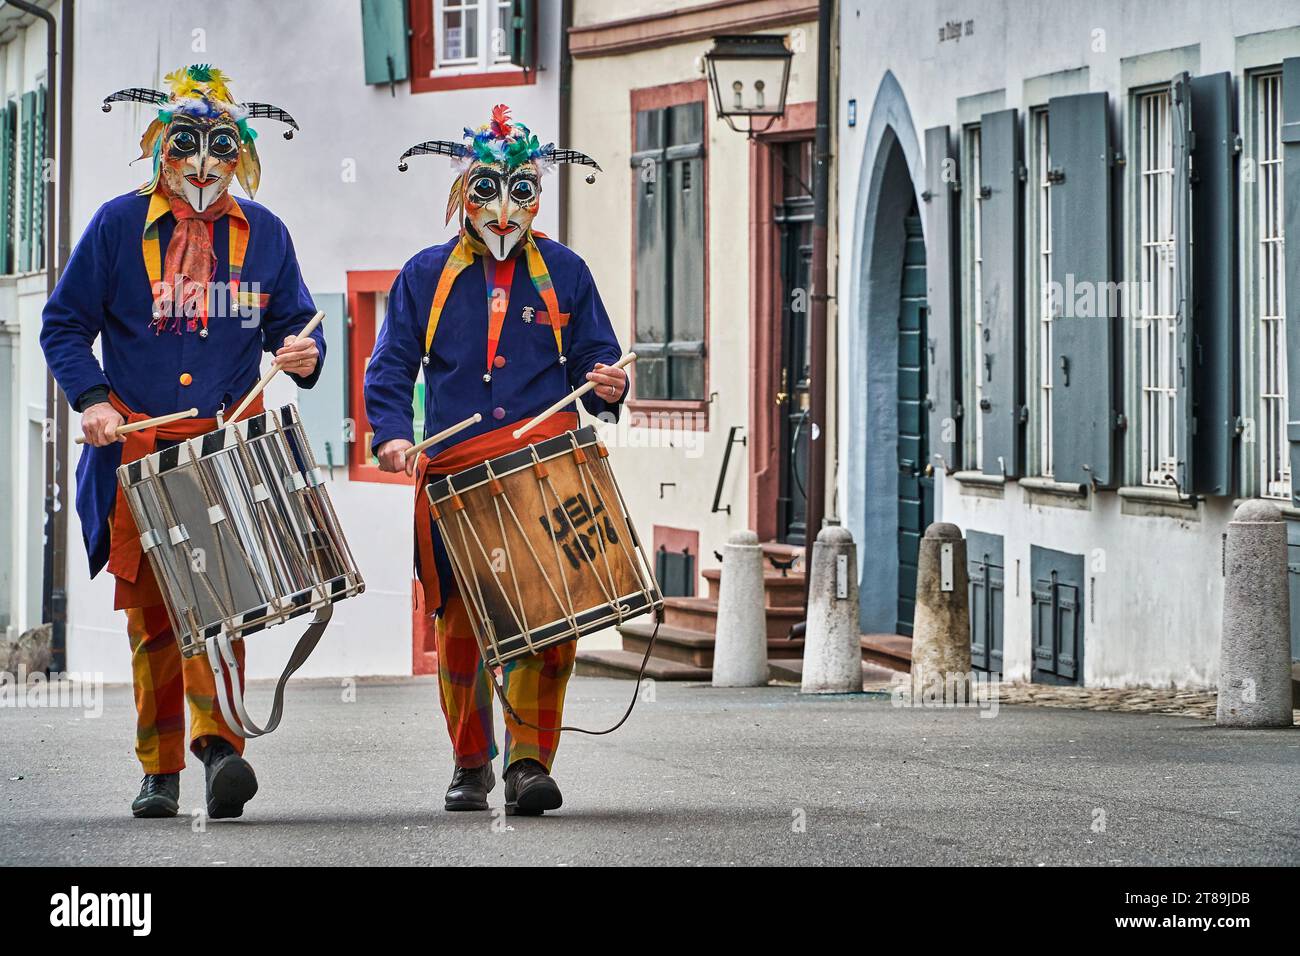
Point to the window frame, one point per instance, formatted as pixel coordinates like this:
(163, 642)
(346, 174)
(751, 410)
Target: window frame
(429, 76)
(1038, 277)
(647, 410)
(364, 288)
(972, 305)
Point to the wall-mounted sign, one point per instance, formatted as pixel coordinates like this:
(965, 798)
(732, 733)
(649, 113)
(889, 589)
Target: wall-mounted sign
(956, 29)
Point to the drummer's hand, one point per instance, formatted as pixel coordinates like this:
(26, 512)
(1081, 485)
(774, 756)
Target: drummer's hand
(610, 382)
(99, 424)
(392, 456)
(298, 356)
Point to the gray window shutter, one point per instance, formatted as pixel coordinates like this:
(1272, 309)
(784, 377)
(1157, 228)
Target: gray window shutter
(1291, 230)
(649, 179)
(384, 40)
(324, 406)
(984, 567)
(684, 158)
(943, 345)
(1180, 121)
(1213, 346)
(1057, 623)
(1083, 336)
(1001, 240)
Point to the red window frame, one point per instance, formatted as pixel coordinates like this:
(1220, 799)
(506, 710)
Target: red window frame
(363, 288)
(426, 78)
(645, 412)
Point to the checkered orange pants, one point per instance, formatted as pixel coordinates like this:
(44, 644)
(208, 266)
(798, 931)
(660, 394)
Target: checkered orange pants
(164, 681)
(534, 685)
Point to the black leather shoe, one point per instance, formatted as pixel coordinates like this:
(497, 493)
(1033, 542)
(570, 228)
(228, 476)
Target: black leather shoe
(231, 781)
(530, 790)
(470, 787)
(160, 795)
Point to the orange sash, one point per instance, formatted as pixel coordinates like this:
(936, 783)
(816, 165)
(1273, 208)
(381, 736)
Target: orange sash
(136, 586)
(467, 454)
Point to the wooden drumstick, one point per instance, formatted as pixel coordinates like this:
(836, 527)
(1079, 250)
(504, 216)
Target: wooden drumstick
(149, 423)
(307, 329)
(573, 396)
(445, 433)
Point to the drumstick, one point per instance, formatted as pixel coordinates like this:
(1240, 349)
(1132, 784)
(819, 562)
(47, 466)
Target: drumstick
(577, 393)
(445, 433)
(149, 423)
(307, 329)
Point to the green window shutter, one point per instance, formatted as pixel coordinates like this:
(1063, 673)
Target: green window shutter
(649, 179)
(324, 406)
(1291, 230)
(1002, 277)
(1212, 346)
(522, 35)
(384, 38)
(28, 117)
(6, 189)
(37, 213)
(943, 348)
(684, 159)
(1083, 359)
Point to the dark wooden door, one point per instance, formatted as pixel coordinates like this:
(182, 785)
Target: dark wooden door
(915, 484)
(793, 216)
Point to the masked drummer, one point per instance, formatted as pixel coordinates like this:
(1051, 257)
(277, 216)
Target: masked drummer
(503, 322)
(185, 288)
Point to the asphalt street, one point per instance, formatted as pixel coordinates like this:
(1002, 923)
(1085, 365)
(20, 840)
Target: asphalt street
(696, 776)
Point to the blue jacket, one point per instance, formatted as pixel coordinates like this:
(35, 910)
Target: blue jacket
(105, 293)
(529, 377)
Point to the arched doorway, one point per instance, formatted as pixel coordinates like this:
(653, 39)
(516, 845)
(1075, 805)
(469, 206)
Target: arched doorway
(889, 498)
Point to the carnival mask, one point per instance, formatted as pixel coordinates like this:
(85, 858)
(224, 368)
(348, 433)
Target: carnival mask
(499, 188)
(200, 138)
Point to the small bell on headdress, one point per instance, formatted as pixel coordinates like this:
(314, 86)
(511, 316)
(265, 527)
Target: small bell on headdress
(591, 178)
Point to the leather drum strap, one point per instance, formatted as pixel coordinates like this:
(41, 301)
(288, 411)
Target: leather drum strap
(221, 657)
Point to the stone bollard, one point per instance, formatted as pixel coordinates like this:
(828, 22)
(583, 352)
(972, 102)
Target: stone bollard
(941, 628)
(832, 651)
(740, 647)
(1255, 647)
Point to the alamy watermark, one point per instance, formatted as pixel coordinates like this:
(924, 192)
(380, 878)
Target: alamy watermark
(946, 690)
(67, 691)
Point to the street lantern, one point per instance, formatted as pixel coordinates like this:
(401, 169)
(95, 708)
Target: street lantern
(749, 74)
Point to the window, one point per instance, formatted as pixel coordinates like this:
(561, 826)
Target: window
(472, 32)
(461, 44)
(1158, 327)
(1275, 473)
(1042, 269)
(972, 287)
(367, 305)
(22, 185)
(669, 252)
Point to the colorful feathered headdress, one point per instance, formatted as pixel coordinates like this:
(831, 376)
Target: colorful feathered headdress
(501, 142)
(202, 92)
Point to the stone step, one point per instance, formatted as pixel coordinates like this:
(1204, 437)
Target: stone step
(791, 671)
(891, 651)
(692, 647)
(781, 590)
(625, 664)
(701, 614)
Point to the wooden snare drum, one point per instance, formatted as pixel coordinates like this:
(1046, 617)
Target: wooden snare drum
(542, 547)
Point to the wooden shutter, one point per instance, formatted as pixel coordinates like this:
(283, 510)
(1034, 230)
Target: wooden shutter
(1291, 229)
(522, 33)
(323, 407)
(1213, 349)
(1083, 363)
(1180, 122)
(7, 187)
(943, 331)
(1057, 616)
(984, 568)
(384, 39)
(649, 180)
(37, 212)
(684, 159)
(1002, 277)
(28, 116)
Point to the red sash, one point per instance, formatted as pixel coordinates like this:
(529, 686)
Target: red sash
(467, 454)
(136, 586)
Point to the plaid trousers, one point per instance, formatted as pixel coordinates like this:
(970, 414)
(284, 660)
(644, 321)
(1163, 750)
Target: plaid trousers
(164, 681)
(534, 685)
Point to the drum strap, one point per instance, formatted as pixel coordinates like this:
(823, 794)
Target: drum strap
(221, 657)
(636, 692)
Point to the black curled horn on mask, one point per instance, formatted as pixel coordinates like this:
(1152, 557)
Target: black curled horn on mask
(433, 147)
(136, 94)
(267, 111)
(574, 158)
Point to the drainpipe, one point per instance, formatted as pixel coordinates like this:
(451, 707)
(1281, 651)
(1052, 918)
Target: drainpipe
(54, 604)
(566, 107)
(820, 292)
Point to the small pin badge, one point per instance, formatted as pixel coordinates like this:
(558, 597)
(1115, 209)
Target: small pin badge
(529, 312)
(203, 333)
(425, 359)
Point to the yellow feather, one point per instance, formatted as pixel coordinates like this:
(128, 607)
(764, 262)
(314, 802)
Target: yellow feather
(454, 198)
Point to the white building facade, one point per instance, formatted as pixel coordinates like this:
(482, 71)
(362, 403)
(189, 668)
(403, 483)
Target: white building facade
(1084, 364)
